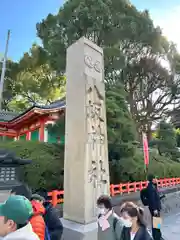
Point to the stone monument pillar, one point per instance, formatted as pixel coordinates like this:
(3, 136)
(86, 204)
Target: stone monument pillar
(86, 169)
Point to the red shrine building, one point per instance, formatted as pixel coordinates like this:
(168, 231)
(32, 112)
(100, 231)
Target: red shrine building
(32, 124)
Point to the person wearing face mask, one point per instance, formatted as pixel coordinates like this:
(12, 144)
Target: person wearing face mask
(134, 226)
(109, 224)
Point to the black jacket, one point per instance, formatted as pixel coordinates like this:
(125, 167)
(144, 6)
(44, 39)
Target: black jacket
(142, 234)
(53, 222)
(154, 201)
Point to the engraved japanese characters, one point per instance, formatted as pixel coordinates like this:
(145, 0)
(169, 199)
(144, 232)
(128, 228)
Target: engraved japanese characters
(95, 113)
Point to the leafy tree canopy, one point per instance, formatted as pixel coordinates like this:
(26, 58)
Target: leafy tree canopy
(107, 23)
(31, 81)
(133, 51)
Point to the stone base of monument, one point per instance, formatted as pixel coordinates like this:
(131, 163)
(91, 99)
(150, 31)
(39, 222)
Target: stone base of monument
(76, 231)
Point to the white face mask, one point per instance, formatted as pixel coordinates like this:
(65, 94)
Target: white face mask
(126, 222)
(101, 211)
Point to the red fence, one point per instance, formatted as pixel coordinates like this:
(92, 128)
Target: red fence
(57, 196)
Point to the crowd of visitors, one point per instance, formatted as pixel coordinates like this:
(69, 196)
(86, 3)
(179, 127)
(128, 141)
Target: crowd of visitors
(45, 221)
(27, 216)
(130, 225)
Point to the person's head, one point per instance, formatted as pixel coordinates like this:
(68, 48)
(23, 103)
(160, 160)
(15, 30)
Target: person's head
(43, 193)
(132, 215)
(14, 214)
(38, 198)
(104, 205)
(151, 177)
(125, 205)
(22, 190)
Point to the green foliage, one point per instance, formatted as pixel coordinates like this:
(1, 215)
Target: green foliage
(9, 83)
(34, 58)
(132, 169)
(120, 126)
(31, 81)
(105, 22)
(39, 85)
(59, 127)
(47, 163)
(166, 140)
(133, 50)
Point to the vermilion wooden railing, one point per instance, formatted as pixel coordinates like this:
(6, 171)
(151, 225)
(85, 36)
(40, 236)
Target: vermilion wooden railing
(122, 188)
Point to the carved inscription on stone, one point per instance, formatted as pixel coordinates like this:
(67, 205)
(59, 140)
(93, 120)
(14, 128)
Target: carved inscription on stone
(96, 138)
(96, 65)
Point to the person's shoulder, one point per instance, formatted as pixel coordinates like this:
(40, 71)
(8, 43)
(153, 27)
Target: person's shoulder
(116, 217)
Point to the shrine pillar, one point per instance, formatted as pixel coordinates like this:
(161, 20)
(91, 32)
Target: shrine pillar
(28, 136)
(86, 169)
(42, 131)
(17, 136)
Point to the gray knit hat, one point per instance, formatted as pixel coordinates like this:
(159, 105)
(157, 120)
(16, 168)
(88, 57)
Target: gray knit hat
(37, 197)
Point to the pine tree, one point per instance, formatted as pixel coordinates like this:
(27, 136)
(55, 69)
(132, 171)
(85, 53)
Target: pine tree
(121, 128)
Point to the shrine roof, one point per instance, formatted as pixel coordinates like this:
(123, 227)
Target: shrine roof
(59, 104)
(10, 117)
(56, 104)
(7, 116)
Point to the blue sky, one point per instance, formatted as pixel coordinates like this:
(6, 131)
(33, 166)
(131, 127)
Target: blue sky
(21, 17)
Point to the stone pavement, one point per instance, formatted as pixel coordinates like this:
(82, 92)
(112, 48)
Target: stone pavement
(171, 227)
(3, 196)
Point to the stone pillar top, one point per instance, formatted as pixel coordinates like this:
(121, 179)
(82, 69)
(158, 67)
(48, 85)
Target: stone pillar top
(86, 41)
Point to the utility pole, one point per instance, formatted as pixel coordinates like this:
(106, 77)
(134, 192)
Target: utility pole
(4, 70)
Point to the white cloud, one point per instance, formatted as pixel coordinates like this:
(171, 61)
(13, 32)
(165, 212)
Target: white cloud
(169, 22)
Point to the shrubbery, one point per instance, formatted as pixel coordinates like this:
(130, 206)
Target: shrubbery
(48, 163)
(132, 169)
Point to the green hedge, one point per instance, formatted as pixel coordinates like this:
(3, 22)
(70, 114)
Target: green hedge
(47, 163)
(133, 169)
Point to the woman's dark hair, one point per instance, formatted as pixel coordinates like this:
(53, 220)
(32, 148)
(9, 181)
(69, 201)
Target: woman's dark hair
(22, 190)
(150, 177)
(106, 201)
(43, 193)
(126, 205)
(134, 211)
(37, 197)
